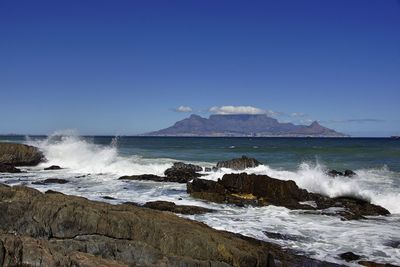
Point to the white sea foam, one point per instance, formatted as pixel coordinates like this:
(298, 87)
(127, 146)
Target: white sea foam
(78, 155)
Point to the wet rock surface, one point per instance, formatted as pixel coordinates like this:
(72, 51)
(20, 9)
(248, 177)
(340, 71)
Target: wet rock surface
(54, 229)
(239, 163)
(20, 155)
(182, 173)
(53, 167)
(172, 207)
(261, 190)
(346, 173)
(9, 168)
(349, 256)
(51, 181)
(144, 177)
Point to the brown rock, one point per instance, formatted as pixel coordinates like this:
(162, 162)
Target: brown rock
(128, 234)
(20, 155)
(261, 190)
(172, 207)
(239, 163)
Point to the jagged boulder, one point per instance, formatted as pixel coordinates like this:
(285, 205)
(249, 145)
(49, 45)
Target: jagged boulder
(20, 155)
(239, 163)
(261, 190)
(181, 172)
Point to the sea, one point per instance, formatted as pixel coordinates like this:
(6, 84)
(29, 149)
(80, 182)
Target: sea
(93, 164)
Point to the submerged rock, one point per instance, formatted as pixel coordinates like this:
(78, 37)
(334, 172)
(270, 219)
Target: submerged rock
(145, 177)
(73, 231)
(20, 155)
(8, 168)
(51, 181)
(280, 236)
(349, 256)
(261, 190)
(172, 207)
(239, 163)
(53, 167)
(346, 173)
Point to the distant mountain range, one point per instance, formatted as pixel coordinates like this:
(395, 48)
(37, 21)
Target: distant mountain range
(243, 125)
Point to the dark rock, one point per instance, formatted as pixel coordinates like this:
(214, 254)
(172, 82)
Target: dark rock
(182, 173)
(9, 168)
(20, 155)
(270, 261)
(207, 169)
(346, 173)
(239, 163)
(349, 173)
(244, 189)
(51, 181)
(261, 190)
(375, 264)
(393, 243)
(62, 230)
(172, 207)
(53, 167)
(145, 177)
(52, 192)
(280, 236)
(108, 197)
(334, 173)
(349, 256)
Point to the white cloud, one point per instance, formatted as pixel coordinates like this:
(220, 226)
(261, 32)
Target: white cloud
(183, 109)
(298, 114)
(230, 110)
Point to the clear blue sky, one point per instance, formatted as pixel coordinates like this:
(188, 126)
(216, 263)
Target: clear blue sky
(122, 67)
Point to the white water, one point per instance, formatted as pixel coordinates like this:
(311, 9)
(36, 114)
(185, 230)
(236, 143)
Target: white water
(93, 171)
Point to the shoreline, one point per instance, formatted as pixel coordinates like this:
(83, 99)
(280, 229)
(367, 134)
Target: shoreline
(34, 228)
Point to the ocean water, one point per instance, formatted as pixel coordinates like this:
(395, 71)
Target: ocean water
(92, 166)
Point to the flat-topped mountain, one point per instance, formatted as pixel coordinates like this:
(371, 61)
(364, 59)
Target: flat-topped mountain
(243, 125)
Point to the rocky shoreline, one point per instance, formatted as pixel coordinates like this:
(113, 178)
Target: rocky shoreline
(53, 229)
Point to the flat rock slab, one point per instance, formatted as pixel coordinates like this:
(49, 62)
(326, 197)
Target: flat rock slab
(172, 207)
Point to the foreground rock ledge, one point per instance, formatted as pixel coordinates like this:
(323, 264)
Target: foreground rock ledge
(53, 229)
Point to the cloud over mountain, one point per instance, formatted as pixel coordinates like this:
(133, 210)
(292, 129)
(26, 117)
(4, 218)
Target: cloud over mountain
(183, 109)
(232, 110)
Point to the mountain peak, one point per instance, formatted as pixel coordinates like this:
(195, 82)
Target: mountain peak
(257, 125)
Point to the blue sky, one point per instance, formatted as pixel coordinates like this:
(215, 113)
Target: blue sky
(125, 67)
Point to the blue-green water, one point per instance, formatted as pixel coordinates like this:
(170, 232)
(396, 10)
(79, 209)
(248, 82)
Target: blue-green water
(286, 153)
(92, 165)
